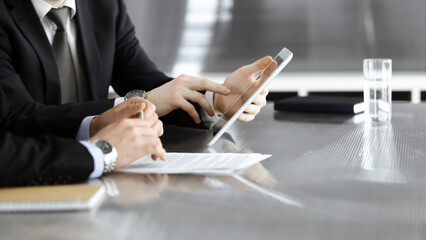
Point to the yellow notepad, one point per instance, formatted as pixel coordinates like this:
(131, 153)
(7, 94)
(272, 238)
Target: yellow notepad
(51, 198)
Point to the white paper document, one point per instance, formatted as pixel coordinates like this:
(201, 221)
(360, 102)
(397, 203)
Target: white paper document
(198, 163)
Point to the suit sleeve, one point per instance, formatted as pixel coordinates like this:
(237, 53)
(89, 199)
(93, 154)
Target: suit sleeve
(24, 104)
(132, 67)
(134, 70)
(28, 126)
(39, 159)
(66, 127)
(42, 160)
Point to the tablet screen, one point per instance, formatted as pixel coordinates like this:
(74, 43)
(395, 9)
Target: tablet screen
(259, 82)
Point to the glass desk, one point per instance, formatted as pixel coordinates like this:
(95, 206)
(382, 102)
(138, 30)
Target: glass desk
(330, 177)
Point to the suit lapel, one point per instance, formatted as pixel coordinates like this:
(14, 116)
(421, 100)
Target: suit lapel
(89, 48)
(28, 22)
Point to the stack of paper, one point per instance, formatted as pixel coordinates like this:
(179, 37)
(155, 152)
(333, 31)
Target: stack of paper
(198, 163)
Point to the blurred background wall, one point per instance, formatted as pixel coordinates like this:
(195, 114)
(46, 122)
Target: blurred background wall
(214, 37)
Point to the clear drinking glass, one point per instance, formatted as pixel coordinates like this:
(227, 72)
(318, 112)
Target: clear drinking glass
(377, 89)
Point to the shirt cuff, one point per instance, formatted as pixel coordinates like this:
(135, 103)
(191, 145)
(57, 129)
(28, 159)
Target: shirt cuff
(207, 120)
(84, 130)
(98, 159)
(118, 101)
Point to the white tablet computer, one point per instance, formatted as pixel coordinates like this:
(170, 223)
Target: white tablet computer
(225, 121)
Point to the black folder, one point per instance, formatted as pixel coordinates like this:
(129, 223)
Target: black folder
(321, 104)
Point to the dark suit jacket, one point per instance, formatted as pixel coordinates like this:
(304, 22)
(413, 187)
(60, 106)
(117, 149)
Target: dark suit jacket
(40, 159)
(110, 51)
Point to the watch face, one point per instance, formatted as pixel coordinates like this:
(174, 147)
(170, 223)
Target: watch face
(135, 93)
(104, 146)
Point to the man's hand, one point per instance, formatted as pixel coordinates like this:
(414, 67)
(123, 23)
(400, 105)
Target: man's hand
(149, 114)
(238, 82)
(128, 109)
(178, 92)
(133, 139)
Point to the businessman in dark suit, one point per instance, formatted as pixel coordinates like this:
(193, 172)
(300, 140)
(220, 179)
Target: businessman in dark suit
(44, 150)
(43, 75)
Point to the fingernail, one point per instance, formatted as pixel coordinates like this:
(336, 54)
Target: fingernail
(226, 90)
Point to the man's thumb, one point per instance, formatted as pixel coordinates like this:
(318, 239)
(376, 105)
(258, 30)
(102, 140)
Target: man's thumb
(259, 65)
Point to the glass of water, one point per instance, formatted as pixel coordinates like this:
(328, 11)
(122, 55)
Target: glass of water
(377, 89)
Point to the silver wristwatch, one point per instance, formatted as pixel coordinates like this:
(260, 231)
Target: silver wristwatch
(110, 154)
(136, 93)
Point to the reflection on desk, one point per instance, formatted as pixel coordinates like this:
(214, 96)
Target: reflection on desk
(129, 188)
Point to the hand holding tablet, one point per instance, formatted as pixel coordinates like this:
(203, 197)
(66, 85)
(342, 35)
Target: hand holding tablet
(245, 89)
(243, 83)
